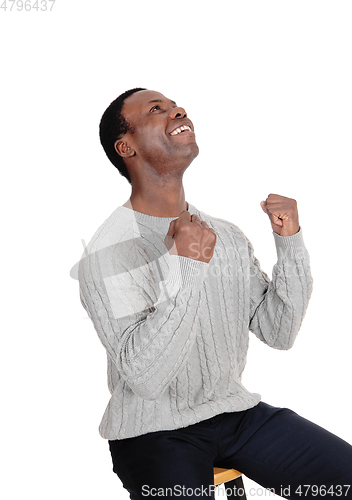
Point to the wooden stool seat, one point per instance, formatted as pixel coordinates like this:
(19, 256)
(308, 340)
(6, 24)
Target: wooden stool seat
(224, 475)
(234, 488)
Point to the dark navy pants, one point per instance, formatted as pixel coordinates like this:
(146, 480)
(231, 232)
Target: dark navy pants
(274, 447)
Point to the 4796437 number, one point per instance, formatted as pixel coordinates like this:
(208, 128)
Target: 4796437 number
(27, 5)
(322, 491)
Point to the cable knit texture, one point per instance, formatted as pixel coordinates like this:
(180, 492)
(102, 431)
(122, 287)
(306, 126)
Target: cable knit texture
(175, 329)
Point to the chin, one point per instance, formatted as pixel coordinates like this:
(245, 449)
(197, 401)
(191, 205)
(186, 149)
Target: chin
(192, 155)
(195, 150)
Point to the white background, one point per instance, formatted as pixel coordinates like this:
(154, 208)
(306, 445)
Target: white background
(268, 87)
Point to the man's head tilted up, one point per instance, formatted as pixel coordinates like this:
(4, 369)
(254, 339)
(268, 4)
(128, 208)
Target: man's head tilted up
(151, 141)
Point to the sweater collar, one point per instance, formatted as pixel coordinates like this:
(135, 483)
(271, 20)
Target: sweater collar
(152, 221)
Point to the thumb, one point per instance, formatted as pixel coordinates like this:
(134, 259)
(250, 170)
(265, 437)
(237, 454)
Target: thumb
(169, 238)
(263, 205)
(172, 228)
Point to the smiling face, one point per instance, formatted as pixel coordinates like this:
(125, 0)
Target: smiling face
(161, 139)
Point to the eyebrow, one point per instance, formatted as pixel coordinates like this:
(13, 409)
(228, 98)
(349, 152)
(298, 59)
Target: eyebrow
(160, 100)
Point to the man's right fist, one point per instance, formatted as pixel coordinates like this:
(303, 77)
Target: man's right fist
(189, 236)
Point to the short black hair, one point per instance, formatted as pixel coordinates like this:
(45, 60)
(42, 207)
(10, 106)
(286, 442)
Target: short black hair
(112, 126)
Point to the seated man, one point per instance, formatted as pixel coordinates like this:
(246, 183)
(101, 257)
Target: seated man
(172, 293)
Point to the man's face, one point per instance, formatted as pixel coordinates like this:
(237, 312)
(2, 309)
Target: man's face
(163, 136)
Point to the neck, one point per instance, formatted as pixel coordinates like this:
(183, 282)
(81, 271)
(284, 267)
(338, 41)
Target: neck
(162, 200)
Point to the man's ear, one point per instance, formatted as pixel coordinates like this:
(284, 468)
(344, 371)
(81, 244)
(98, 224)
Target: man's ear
(123, 149)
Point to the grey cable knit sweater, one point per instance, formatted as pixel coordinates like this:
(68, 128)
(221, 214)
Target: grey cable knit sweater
(175, 329)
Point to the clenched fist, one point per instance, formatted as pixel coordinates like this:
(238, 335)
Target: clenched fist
(189, 236)
(283, 214)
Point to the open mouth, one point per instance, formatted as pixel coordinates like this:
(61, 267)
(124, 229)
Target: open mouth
(179, 130)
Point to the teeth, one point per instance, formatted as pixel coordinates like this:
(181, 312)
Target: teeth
(180, 129)
(177, 131)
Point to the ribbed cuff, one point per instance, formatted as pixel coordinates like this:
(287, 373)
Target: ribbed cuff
(290, 246)
(185, 271)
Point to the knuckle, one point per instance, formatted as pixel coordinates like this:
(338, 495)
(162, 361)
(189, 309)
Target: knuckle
(184, 228)
(212, 235)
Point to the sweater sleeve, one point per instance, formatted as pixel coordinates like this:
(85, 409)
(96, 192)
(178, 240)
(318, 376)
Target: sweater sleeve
(148, 340)
(277, 307)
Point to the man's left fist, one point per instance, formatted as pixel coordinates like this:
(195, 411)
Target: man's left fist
(283, 214)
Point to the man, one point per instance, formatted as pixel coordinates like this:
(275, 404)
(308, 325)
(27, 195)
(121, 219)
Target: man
(172, 293)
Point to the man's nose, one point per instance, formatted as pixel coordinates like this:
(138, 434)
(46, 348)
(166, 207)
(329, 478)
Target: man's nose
(178, 113)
